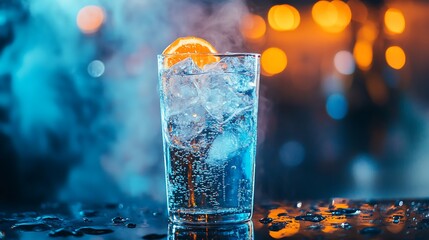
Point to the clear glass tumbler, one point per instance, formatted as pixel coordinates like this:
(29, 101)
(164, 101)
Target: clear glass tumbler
(209, 106)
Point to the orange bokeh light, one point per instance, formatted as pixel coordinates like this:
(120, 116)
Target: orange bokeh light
(90, 18)
(368, 32)
(324, 13)
(395, 57)
(362, 53)
(333, 16)
(273, 61)
(283, 17)
(253, 26)
(394, 20)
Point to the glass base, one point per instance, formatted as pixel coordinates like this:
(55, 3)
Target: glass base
(209, 217)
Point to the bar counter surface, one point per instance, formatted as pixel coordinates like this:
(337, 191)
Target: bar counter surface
(328, 219)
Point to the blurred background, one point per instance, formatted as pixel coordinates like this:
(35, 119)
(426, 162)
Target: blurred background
(344, 98)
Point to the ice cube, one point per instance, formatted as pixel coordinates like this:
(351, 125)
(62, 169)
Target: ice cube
(180, 93)
(242, 125)
(218, 98)
(185, 126)
(241, 70)
(237, 133)
(214, 67)
(184, 67)
(232, 64)
(179, 87)
(225, 146)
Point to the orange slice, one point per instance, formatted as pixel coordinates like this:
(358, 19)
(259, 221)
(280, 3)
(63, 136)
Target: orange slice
(185, 47)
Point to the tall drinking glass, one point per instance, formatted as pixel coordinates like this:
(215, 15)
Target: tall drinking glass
(209, 106)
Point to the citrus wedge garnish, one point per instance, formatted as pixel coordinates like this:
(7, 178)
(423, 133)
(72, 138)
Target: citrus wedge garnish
(185, 47)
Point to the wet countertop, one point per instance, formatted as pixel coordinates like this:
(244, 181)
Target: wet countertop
(328, 219)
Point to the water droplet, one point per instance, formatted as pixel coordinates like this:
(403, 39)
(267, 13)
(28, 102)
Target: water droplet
(370, 231)
(315, 227)
(399, 203)
(299, 205)
(346, 225)
(156, 214)
(118, 220)
(131, 225)
(277, 226)
(265, 220)
(48, 218)
(31, 226)
(94, 230)
(96, 68)
(233, 167)
(154, 236)
(345, 211)
(397, 218)
(61, 232)
(310, 218)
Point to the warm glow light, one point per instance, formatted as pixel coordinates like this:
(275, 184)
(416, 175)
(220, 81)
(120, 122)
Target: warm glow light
(344, 16)
(395, 57)
(90, 18)
(368, 32)
(324, 13)
(253, 26)
(273, 60)
(363, 54)
(283, 17)
(394, 20)
(332, 16)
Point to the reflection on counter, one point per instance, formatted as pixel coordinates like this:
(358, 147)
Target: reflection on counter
(344, 218)
(221, 232)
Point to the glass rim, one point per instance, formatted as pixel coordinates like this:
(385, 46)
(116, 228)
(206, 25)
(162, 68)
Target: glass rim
(227, 54)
